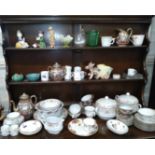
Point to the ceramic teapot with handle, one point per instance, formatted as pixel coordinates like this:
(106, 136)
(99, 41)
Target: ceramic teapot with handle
(25, 105)
(56, 72)
(124, 36)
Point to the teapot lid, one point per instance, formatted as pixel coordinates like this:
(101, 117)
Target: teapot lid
(24, 96)
(106, 101)
(56, 65)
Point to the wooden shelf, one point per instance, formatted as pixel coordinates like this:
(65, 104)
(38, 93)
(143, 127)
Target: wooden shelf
(75, 48)
(74, 82)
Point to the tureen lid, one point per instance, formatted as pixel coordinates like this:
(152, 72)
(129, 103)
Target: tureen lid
(106, 101)
(128, 98)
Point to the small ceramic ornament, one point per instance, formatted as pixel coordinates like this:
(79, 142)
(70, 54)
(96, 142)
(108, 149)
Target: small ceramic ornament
(41, 39)
(21, 43)
(51, 37)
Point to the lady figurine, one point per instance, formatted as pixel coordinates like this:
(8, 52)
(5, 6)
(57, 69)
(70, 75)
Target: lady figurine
(41, 40)
(21, 43)
(51, 37)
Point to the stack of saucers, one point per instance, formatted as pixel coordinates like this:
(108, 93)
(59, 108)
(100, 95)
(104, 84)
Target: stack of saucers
(50, 107)
(145, 119)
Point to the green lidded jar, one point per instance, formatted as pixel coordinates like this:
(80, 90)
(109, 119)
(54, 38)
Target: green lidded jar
(92, 38)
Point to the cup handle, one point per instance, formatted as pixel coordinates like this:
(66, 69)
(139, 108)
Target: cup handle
(113, 41)
(139, 106)
(35, 99)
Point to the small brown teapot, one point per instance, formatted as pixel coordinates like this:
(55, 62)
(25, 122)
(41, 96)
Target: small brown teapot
(56, 72)
(25, 105)
(124, 36)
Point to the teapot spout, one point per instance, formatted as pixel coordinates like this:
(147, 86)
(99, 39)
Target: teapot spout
(2, 117)
(14, 106)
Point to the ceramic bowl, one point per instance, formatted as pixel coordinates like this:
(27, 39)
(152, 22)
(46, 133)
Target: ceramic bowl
(13, 115)
(74, 110)
(33, 76)
(50, 104)
(146, 114)
(30, 127)
(117, 127)
(17, 77)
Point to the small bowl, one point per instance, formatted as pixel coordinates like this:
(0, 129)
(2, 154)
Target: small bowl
(17, 77)
(33, 76)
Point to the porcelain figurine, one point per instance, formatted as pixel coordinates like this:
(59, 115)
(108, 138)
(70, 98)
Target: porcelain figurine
(92, 70)
(41, 40)
(21, 43)
(51, 37)
(102, 71)
(25, 105)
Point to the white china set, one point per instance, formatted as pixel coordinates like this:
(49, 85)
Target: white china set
(11, 124)
(123, 38)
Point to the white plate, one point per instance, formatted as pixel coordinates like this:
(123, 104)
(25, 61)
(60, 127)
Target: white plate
(117, 127)
(30, 127)
(77, 127)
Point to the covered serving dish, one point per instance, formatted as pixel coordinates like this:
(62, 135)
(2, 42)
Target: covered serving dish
(129, 100)
(106, 108)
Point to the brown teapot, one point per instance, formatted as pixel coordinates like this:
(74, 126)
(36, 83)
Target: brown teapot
(124, 36)
(25, 105)
(56, 72)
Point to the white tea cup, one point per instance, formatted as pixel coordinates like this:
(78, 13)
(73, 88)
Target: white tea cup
(89, 111)
(107, 41)
(44, 75)
(14, 130)
(131, 72)
(137, 39)
(5, 130)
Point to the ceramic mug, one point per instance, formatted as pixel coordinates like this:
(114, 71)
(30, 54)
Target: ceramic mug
(78, 75)
(5, 130)
(68, 76)
(137, 39)
(77, 69)
(131, 72)
(107, 41)
(44, 75)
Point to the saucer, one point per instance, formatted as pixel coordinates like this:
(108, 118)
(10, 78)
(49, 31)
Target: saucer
(30, 127)
(78, 128)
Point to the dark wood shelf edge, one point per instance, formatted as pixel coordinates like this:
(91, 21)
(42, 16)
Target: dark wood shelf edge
(74, 82)
(73, 48)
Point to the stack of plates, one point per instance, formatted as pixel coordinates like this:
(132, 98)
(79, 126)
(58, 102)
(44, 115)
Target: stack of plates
(145, 119)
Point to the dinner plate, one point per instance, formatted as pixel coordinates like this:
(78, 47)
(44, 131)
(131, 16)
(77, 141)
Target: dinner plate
(77, 127)
(30, 127)
(117, 127)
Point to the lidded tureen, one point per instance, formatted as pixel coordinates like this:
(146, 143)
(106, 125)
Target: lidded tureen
(106, 108)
